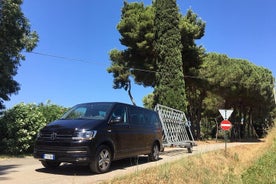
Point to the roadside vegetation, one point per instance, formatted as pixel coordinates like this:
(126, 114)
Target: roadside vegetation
(263, 171)
(20, 125)
(252, 163)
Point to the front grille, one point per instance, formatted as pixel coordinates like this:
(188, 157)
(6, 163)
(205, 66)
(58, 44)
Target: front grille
(55, 136)
(60, 135)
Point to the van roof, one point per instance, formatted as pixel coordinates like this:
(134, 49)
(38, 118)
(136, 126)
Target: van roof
(116, 103)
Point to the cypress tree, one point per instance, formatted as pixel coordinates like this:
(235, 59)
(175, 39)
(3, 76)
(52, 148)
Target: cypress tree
(170, 85)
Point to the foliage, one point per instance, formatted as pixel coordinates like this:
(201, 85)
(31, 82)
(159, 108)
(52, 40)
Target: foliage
(51, 111)
(242, 86)
(15, 36)
(136, 28)
(148, 101)
(170, 85)
(212, 80)
(193, 28)
(139, 60)
(20, 125)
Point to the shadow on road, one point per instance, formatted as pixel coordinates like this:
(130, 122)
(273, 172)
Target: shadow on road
(4, 169)
(81, 170)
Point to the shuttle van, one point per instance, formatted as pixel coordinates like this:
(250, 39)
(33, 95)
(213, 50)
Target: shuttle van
(98, 133)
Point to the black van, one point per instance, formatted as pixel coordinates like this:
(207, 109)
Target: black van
(98, 133)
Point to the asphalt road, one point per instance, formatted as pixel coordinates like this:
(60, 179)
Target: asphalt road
(30, 171)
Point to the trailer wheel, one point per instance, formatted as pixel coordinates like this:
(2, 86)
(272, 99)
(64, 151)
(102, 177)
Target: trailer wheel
(189, 149)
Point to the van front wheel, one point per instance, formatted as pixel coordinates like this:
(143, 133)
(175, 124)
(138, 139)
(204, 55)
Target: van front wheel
(102, 161)
(154, 155)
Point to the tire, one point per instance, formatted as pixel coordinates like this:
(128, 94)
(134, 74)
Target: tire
(189, 149)
(50, 164)
(102, 160)
(154, 155)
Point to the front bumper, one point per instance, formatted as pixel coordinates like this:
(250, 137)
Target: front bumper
(78, 154)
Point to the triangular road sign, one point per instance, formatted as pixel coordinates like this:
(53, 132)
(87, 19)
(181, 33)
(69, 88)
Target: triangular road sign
(226, 113)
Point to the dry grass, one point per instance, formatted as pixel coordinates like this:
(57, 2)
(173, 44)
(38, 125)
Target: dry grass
(208, 168)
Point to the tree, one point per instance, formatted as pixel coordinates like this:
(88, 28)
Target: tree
(136, 28)
(243, 86)
(138, 60)
(15, 36)
(170, 85)
(148, 101)
(192, 28)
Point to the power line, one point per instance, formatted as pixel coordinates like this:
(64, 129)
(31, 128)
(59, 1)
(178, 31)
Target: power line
(59, 57)
(129, 68)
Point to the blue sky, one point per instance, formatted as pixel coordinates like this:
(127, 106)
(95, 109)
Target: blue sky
(83, 32)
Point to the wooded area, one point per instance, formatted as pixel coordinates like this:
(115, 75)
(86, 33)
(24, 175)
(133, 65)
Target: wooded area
(211, 80)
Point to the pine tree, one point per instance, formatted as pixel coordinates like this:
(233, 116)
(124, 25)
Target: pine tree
(170, 85)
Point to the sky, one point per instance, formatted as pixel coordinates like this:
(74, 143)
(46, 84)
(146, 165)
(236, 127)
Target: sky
(69, 64)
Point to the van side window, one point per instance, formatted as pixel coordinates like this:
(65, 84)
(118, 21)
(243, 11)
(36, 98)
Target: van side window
(139, 116)
(151, 118)
(154, 119)
(143, 117)
(120, 111)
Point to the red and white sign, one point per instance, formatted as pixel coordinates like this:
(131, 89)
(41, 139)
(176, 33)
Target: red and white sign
(225, 125)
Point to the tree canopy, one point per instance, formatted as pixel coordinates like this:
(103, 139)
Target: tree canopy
(170, 85)
(211, 80)
(244, 87)
(15, 36)
(138, 30)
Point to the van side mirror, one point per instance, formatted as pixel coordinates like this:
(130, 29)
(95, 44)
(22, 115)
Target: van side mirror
(117, 119)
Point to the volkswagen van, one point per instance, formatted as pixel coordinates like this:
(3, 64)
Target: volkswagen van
(98, 133)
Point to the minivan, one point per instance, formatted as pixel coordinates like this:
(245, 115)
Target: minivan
(98, 133)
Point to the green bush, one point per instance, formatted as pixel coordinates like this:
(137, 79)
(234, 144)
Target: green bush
(20, 125)
(51, 112)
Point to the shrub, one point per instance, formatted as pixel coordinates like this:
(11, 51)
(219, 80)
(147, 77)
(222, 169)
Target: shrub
(51, 112)
(19, 127)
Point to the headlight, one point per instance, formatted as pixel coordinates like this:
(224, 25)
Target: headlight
(85, 135)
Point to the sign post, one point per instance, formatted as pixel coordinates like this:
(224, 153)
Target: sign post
(225, 125)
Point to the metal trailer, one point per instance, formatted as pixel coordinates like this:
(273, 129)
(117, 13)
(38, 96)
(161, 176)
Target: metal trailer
(176, 128)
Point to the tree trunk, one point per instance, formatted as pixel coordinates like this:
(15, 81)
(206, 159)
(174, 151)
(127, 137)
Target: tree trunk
(129, 93)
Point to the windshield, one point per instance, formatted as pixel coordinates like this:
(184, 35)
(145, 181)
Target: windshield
(89, 111)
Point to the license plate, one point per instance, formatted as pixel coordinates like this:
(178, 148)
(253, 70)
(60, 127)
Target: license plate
(49, 156)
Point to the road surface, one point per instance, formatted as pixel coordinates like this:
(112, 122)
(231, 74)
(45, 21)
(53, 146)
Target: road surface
(30, 171)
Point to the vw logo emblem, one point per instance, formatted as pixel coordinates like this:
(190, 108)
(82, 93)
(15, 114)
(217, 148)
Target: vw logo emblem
(53, 136)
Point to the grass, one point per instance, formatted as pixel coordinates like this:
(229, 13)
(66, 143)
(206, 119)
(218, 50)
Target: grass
(242, 164)
(264, 170)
